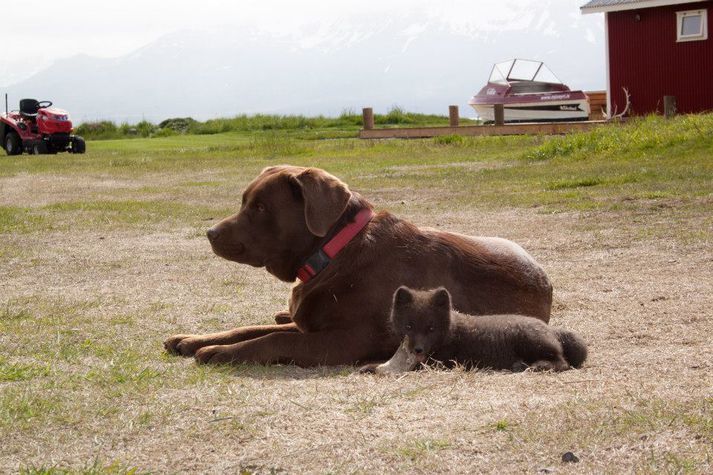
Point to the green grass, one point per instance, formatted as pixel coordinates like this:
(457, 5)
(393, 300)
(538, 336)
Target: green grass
(128, 212)
(20, 372)
(643, 420)
(96, 467)
(10, 312)
(419, 449)
(502, 425)
(608, 168)
(641, 135)
(14, 219)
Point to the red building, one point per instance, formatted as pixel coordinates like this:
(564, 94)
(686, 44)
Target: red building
(657, 48)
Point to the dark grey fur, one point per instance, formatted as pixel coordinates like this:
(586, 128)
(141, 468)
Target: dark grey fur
(511, 342)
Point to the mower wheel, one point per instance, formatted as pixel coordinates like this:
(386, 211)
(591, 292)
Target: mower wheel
(13, 144)
(40, 148)
(78, 145)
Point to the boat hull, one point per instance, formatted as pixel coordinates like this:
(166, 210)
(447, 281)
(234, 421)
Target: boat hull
(540, 111)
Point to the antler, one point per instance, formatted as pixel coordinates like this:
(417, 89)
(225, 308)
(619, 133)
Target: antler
(616, 116)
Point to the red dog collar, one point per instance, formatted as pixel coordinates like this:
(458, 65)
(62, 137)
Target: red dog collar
(320, 259)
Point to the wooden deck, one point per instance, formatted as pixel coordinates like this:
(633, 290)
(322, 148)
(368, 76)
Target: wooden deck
(551, 128)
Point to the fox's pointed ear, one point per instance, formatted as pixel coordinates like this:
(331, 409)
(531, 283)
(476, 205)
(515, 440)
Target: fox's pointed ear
(325, 199)
(402, 296)
(441, 298)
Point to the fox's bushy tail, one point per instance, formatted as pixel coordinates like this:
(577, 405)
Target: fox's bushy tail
(575, 349)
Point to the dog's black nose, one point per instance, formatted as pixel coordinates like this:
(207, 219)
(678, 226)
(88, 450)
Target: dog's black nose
(212, 233)
(418, 350)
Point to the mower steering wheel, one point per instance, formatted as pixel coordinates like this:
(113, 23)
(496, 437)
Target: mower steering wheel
(43, 104)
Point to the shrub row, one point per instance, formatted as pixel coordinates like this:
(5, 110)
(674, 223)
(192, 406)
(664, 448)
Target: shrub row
(187, 125)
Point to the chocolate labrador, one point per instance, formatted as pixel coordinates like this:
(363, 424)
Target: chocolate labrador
(305, 223)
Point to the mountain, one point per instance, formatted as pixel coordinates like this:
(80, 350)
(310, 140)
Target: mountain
(419, 65)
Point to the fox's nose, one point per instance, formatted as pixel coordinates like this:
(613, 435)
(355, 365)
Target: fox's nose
(418, 350)
(212, 234)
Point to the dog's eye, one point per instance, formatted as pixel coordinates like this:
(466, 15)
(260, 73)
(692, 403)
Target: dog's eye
(408, 327)
(260, 207)
(430, 329)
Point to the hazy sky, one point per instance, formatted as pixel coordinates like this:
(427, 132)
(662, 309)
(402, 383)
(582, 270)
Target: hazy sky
(51, 30)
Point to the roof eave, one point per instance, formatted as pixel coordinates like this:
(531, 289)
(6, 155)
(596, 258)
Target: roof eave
(634, 6)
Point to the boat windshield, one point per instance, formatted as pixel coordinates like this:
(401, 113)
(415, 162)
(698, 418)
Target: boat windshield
(522, 70)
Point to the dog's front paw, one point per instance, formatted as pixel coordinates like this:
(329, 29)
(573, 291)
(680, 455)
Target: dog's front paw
(214, 354)
(184, 345)
(171, 343)
(283, 318)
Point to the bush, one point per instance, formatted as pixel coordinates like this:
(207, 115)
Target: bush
(145, 128)
(165, 133)
(102, 129)
(348, 119)
(179, 125)
(395, 116)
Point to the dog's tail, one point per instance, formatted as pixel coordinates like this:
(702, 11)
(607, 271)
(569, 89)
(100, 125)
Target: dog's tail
(575, 349)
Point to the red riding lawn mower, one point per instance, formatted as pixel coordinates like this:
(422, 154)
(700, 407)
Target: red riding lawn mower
(38, 128)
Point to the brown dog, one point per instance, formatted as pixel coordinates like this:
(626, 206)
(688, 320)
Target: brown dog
(303, 221)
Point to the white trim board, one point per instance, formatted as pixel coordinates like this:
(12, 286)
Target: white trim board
(635, 6)
(607, 46)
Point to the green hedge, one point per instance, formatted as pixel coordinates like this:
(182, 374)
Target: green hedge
(102, 130)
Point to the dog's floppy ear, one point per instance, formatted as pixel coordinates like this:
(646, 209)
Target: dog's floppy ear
(325, 197)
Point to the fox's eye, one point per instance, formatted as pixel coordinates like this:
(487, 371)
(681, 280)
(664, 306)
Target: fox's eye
(430, 329)
(408, 327)
(260, 207)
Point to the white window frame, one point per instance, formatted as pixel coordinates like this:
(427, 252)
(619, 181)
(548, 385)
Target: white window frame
(701, 35)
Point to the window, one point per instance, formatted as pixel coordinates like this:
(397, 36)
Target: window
(692, 25)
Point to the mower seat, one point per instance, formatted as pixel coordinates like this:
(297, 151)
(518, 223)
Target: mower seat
(29, 108)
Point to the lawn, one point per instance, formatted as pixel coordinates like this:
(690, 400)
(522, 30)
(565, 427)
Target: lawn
(103, 256)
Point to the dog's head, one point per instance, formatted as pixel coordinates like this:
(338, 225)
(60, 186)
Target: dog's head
(422, 319)
(285, 212)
